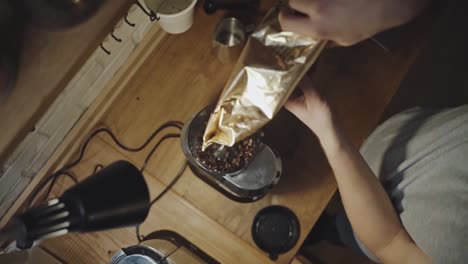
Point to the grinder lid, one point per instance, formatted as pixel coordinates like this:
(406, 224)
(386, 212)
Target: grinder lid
(275, 230)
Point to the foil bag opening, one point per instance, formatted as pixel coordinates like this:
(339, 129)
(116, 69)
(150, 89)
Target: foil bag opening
(267, 72)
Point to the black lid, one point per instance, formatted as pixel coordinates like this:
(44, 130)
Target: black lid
(275, 230)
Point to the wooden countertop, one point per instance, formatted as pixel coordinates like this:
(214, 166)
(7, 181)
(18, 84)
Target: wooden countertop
(179, 77)
(48, 62)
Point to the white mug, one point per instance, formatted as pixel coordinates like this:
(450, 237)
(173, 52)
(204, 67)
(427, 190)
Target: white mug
(172, 18)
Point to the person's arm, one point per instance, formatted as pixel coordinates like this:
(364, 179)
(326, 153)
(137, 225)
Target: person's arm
(347, 22)
(366, 203)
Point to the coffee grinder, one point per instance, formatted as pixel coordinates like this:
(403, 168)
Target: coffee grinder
(245, 181)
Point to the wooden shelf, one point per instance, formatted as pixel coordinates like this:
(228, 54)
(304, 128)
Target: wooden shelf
(49, 60)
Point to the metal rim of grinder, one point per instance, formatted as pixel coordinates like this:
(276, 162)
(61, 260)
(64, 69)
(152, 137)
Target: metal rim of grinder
(248, 184)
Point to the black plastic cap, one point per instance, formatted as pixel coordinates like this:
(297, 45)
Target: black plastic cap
(275, 230)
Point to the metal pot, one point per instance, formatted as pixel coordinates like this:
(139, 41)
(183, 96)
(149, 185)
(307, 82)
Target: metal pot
(162, 247)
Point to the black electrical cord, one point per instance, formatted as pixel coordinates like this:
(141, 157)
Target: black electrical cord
(150, 154)
(175, 124)
(75, 179)
(54, 180)
(97, 168)
(160, 195)
(64, 170)
(171, 184)
(53, 177)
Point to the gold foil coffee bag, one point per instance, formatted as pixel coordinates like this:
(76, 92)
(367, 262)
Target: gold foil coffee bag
(267, 72)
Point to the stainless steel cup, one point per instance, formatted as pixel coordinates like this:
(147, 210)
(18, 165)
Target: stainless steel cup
(229, 39)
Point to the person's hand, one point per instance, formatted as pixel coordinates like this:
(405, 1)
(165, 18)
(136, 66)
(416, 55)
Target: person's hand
(346, 22)
(311, 108)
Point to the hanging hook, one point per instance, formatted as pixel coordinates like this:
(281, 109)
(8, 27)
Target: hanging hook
(105, 50)
(114, 37)
(128, 22)
(149, 13)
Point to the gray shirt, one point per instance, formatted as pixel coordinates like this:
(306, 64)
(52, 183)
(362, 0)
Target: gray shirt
(421, 157)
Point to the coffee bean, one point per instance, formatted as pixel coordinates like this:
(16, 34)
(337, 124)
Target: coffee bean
(227, 160)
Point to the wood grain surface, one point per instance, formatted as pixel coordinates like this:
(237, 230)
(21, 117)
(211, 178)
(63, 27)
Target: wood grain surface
(182, 76)
(49, 60)
(64, 153)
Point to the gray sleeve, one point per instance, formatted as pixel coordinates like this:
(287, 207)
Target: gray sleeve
(421, 158)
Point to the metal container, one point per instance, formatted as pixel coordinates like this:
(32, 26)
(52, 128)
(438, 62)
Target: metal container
(162, 247)
(228, 39)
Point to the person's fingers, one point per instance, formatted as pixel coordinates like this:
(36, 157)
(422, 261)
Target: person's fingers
(302, 6)
(311, 92)
(308, 88)
(300, 24)
(306, 83)
(332, 44)
(290, 22)
(295, 105)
